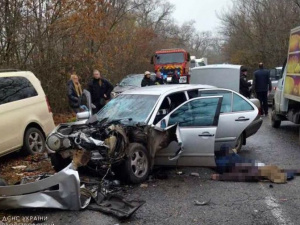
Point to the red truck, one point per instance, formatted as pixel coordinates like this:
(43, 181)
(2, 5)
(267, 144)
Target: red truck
(170, 62)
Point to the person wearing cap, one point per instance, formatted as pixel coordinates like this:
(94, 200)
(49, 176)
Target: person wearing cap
(147, 80)
(244, 84)
(262, 85)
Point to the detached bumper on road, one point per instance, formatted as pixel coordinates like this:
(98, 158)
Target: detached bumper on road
(61, 191)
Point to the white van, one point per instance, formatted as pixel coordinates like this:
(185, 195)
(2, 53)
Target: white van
(25, 114)
(221, 75)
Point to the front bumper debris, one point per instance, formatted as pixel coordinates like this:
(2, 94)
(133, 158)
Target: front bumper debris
(61, 191)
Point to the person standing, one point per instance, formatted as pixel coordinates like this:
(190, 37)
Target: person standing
(262, 85)
(147, 80)
(158, 78)
(100, 90)
(244, 84)
(74, 92)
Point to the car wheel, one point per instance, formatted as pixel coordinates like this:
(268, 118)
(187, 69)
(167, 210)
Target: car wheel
(34, 141)
(137, 163)
(239, 143)
(2, 182)
(275, 122)
(58, 162)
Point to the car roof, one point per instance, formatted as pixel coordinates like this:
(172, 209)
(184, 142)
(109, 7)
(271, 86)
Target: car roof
(165, 89)
(218, 66)
(137, 75)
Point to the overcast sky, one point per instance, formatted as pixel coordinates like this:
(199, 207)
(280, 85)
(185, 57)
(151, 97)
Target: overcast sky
(203, 12)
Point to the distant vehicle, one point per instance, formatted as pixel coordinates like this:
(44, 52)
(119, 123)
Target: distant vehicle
(131, 81)
(26, 117)
(169, 61)
(286, 103)
(275, 75)
(197, 62)
(219, 75)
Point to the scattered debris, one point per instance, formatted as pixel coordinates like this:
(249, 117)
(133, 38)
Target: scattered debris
(255, 210)
(202, 203)
(179, 173)
(195, 174)
(18, 167)
(144, 185)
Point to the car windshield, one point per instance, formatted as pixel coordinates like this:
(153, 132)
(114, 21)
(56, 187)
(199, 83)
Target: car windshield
(135, 108)
(132, 81)
(170, 58)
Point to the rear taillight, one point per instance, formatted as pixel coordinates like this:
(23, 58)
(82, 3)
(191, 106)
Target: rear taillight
(49, 108)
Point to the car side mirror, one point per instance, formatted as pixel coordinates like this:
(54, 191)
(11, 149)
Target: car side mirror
(152, 60)
(163, 124)
(188, 57)
(83, 115)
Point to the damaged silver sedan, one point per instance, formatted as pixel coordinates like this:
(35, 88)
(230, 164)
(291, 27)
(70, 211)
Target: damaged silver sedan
(131, 133)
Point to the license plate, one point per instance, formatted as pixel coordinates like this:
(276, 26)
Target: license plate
(182, 80)
(169, 79)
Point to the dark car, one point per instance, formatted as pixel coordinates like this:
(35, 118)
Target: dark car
(131, 81)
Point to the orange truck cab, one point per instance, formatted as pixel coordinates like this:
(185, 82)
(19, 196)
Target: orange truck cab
(172, 62)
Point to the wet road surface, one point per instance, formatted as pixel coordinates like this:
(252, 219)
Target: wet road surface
(171, 200)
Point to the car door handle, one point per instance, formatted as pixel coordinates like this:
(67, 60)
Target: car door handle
(206, 134)
(242, 118)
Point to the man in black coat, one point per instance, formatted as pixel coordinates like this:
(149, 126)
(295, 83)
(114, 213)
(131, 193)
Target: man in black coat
(262, 84)
(100, 90)
(244, 84)
(147, 80)
(158, 78)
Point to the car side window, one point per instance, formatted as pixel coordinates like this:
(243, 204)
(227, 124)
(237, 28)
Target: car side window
(240, 104)
(170, 103)
(227, 98)
(199, 112)
(15, 88)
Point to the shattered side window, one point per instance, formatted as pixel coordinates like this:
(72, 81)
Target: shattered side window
(199, 112)
(133, 107)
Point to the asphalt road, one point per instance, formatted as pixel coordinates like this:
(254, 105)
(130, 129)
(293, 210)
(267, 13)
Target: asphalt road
(171, 200)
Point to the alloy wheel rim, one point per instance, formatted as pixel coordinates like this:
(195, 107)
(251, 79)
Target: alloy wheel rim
(35, 142)
(139, 164)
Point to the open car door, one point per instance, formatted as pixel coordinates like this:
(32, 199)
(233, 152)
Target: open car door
(198, 121)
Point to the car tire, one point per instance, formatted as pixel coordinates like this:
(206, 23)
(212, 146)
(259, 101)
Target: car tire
(239, 143)
(275, 122)
(2, 182)
(58, 162)
(34, 141)
(137, 163)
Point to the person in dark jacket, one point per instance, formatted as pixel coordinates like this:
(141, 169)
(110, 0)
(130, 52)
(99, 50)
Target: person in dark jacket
(244, 84)
(74, 93)
(262, 85)
(147, 80)
(175, 77)
(100, 90)
(158, 79)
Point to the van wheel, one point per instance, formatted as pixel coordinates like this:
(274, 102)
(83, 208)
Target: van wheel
(275, 122)
(239, 143)
(34, 141)
(137, 163)
(2, 182)
(58, 162)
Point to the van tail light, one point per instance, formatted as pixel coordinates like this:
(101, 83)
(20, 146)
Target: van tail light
(49, 107)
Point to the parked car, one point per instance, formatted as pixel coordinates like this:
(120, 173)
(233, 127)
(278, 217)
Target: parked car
(208, 117)
(131, 81)
(26, 117)
(275, 75)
